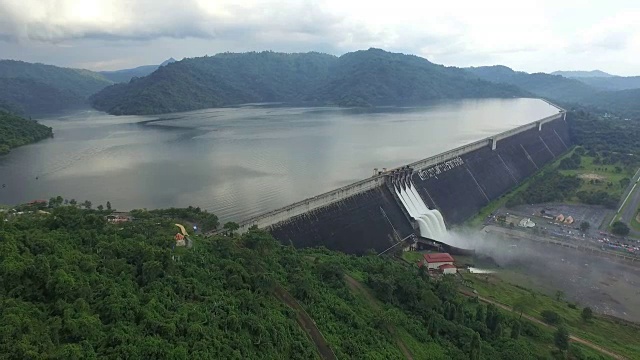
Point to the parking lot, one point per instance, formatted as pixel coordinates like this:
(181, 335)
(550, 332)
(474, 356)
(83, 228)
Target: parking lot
(544, 215)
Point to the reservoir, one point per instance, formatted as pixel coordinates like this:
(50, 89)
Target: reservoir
(241, 161)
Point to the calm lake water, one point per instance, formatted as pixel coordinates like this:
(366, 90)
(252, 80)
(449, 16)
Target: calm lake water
(241, 161)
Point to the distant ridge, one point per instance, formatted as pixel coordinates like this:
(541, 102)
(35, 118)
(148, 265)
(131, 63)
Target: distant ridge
(548, 86)
(361, 78)
(125, 75)
(582, 74)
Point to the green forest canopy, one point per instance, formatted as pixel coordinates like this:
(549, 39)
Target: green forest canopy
(16, 131)
(73, 286)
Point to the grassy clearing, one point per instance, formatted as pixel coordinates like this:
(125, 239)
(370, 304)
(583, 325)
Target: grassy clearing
(597, 177)
(620, 338)
(412, 256)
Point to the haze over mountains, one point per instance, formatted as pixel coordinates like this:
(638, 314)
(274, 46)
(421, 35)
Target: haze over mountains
(125, 75)
(363, 78)
(582, 74)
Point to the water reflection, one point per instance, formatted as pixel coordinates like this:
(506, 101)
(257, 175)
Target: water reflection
(242, 161)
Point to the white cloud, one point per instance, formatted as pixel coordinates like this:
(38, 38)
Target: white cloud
(532, 36)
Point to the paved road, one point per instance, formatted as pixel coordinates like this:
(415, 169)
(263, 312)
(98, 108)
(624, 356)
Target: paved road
(578, 245)
(537, 321)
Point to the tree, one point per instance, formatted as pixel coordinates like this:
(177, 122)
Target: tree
(515, 330)
(230, 227)
(480, 314)
(587, 314)
(474, 352)
(73, 202)
(551, 317)
(522, 304)
(561, 338)
(87, 204)
(584, 226)
(100, 207)
(108, 205)
(559, 295)
(624, 182)
(620, 228)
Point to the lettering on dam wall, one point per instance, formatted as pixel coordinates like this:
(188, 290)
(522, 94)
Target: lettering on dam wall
(438, 169)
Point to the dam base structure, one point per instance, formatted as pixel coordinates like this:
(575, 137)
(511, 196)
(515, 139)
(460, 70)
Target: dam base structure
(420, 198)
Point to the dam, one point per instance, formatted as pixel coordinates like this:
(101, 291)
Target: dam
(420, 197)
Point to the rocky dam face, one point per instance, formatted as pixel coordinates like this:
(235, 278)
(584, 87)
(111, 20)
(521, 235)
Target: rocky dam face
(369, 214)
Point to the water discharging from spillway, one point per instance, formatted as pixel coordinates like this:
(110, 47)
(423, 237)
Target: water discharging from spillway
(430, 221)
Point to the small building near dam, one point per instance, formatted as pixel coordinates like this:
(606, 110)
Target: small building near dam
(435, 260)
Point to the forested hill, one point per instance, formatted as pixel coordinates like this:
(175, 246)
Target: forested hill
(371, 77)
(624, 102)
(37, 88)
(554, 87)
(29, 97)
(79, 81)
(73, 286)
(16, 131)
(377, 77)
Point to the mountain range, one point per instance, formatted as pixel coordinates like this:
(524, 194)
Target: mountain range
(362, 78)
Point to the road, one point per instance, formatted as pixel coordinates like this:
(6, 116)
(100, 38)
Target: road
(631, 202)
(537, 321)
(578, 245)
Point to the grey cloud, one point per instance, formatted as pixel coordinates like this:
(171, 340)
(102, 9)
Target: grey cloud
(144, 20)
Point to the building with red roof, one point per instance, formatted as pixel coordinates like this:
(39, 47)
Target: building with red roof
(435, 260)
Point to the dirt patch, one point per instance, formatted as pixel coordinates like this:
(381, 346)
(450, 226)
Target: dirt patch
(592, 177)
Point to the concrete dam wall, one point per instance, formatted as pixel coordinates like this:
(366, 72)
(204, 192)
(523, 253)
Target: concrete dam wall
(368, 214)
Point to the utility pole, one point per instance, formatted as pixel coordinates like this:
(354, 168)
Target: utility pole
(412, 236)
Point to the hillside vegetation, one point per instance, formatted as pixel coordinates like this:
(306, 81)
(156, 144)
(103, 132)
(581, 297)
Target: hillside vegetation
(38, 88)
(16, 131)
(362, 78)
(74, 286)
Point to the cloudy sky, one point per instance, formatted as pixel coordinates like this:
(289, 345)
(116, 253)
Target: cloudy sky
(539, 35)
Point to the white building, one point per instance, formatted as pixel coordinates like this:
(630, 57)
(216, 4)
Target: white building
(526, 223)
